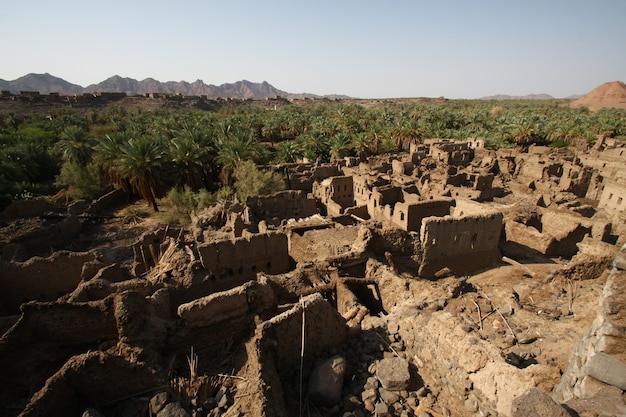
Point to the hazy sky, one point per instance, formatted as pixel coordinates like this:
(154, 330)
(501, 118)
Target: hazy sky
(367, 49)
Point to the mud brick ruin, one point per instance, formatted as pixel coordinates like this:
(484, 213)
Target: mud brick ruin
(450, 280)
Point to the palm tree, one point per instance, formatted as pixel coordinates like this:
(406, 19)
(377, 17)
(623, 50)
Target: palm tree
(361, 144)
(192, 157)
(74, 145)
(106, 157)
(143, 163)
(522, 132)
(232, 148)
(339, 146)
(289, 151)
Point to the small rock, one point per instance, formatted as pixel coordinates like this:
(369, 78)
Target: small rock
(425, 414)
(372, 368)
(326, 381)
(412, 402)
(369, 405)
(381, 410)
(372, 383)
(220, 392)
(368, 395)
(524, 338)
(471, 404)
(389, 397)
(620, 260)
(351, 403)
(173, 410)
(397, 346)
(92, 412)
(157, 402)
(393, 373)
(223, 402)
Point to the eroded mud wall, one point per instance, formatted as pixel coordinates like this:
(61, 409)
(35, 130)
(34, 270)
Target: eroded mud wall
(41, 279)
(599, 360)
(323, 327)
(461, 244)
(243, 257)
(409, 216)
(283, 205)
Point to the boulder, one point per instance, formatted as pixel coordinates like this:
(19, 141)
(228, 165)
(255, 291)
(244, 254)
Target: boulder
(606, 368)
(326, 381)
(536, 403)
(173, 410)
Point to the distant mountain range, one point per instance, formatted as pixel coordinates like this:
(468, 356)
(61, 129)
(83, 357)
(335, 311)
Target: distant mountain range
(526, 97)
(46, 83)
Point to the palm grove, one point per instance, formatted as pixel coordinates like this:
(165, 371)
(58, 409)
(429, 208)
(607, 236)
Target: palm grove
(202, 156)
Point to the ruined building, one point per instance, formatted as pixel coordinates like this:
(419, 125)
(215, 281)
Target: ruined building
(451, 280)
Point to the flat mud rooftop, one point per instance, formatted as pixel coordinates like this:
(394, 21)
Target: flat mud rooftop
(489, 284)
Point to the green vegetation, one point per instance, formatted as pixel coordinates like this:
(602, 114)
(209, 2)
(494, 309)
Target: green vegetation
(252, 181)
(151, 153)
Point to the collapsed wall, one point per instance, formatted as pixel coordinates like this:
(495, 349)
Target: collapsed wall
(470, 373)
(277, 345)
(336, 193)
(41, 279)
(597, 366)
(290, 204)
(462, 244)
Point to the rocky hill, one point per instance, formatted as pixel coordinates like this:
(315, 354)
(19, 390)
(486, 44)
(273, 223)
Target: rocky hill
(46, 83)
(526, 97)
(240, 89)
(611, 94)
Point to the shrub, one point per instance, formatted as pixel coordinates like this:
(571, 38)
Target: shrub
(81, 181)
(249, 180)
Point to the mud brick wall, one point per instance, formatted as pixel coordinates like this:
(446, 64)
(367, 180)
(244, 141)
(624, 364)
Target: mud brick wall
(28, 208)
(576, 179)
(51, 234)
(323, 327)
(599, 360)
(243, 257)
(362, 189)
(613, 198)
(381, 202)
(342, 191)
(336, 193)
(40, 279)
(322, 172)
(483, 182)
(409, 216)
(284, 204)
(462, 244)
